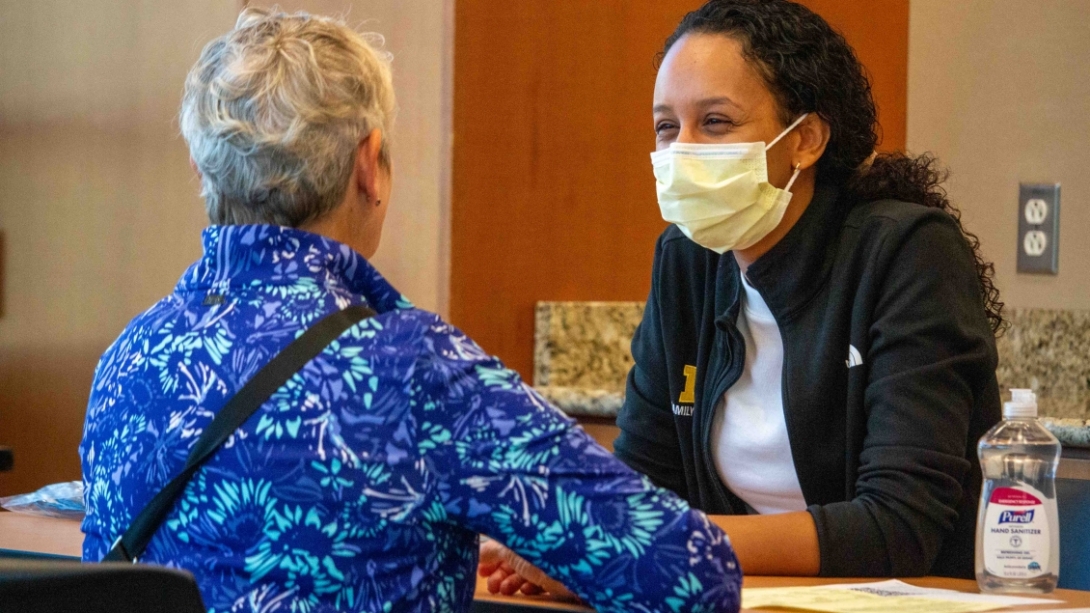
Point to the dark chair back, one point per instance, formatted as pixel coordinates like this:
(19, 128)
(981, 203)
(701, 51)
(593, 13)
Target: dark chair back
(37, 586)
(7, 459)
(1073, 500)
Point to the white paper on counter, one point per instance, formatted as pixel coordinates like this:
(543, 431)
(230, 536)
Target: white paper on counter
(1079, 610)
(815, 598)
(893, 587)
(881, 597)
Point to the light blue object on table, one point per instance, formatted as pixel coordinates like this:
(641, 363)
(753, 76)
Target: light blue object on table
(61, 500)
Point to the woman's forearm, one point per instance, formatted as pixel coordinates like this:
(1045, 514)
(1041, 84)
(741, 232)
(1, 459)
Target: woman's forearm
(783, 544)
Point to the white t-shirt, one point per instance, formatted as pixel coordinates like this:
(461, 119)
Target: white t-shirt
(749, 435)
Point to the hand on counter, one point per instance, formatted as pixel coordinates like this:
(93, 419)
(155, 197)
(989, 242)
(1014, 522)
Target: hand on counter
(508, 573)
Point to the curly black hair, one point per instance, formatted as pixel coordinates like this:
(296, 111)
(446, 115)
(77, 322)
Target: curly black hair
(810, 68)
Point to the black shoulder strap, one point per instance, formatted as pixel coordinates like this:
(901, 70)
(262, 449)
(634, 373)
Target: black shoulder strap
(130, 545)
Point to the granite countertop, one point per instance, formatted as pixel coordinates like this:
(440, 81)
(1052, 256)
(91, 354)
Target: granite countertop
(583, 402)
(582, 357)
(1071, 432)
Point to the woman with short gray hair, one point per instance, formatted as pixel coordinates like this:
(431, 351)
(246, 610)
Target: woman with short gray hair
(273, 113)
(361, 483)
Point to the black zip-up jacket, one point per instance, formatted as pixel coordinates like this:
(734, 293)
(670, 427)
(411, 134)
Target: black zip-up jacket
(888, 379)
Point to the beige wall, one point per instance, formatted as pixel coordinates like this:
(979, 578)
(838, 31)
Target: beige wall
(99, 207)
(96, 197)
(1000, 90)
(101, 211)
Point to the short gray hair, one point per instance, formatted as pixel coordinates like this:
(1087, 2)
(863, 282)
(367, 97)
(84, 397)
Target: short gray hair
(274, 110)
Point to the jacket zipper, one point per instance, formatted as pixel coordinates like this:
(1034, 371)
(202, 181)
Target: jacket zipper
(727, 376)
(783, 400)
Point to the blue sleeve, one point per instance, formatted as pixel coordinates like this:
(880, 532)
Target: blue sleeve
(511, 466)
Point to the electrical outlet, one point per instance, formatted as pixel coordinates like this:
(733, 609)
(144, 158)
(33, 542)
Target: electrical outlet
(1039, 228)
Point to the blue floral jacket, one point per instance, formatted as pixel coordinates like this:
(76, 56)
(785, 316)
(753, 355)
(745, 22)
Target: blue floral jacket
(362, 484)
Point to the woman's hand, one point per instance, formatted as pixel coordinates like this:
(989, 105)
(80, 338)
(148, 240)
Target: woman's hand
(508, 573)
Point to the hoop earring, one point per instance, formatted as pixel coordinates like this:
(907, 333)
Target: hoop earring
(794, 175)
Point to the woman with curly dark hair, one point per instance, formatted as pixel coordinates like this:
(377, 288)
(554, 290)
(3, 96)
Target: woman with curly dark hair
(817, 357)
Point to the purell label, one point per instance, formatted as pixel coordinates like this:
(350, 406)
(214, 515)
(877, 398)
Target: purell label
(1016, 537)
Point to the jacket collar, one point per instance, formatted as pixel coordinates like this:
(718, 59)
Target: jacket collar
(794, 269)
(244, 256)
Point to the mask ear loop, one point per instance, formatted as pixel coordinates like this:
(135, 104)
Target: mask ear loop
(793, 177)
(787, 131)
(793, 125)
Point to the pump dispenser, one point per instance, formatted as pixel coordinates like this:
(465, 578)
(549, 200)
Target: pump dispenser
(1018, 532)
(1023, 404)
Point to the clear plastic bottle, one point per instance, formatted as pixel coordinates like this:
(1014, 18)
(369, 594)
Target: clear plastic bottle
(1018, 532)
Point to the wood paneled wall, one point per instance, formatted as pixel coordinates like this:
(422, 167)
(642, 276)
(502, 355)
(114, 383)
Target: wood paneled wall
(553, 196)
(552, 190)
(878, 30)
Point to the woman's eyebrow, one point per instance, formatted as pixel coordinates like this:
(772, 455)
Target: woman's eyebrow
(702, 103)
(706, 102)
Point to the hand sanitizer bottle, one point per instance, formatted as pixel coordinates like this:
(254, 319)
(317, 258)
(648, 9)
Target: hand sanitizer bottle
(1018, 532)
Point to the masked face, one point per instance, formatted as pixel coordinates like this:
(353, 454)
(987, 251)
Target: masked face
(719, 195)
(716, 179)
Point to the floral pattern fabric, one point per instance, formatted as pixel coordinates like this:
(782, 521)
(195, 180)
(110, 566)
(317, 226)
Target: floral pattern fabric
(362, 484)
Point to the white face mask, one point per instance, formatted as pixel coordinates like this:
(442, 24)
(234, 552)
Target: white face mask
(719, 195)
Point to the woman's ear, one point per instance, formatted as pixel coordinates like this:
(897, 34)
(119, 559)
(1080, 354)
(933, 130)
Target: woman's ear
(369, 165)
(813, 138)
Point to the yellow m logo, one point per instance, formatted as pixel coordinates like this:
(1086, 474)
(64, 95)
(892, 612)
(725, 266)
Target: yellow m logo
(688, 395)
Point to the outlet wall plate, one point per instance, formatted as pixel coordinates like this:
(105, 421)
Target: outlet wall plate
(1039, 228)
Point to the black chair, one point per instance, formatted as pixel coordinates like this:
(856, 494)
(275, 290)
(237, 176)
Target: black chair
(35, 586)
(1073, 498)
(6, 459)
